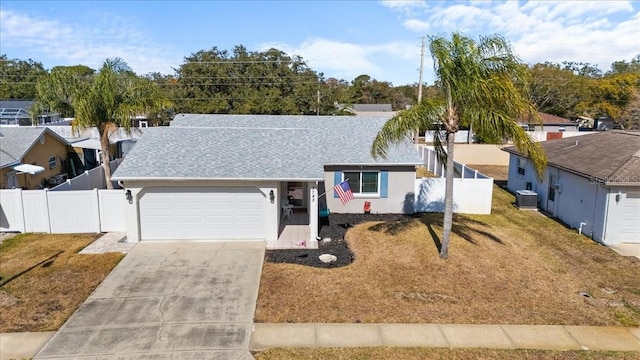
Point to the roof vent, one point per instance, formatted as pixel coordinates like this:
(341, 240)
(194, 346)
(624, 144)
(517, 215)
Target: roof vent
(576, 142)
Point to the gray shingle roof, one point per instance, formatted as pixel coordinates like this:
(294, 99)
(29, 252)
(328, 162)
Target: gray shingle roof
(16, 104)
(16, 141)
(611, 157)
(257, 147)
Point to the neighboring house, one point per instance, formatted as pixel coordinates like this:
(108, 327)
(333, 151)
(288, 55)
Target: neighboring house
(367, 109)
(33, 157)
(550, 123)
(86, 142)
(16, 112)
(234, 176)
(591, 183)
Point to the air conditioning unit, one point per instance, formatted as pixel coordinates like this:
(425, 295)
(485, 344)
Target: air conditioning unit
(526, 199)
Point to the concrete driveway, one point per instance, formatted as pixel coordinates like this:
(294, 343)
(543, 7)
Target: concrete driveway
(168, 300)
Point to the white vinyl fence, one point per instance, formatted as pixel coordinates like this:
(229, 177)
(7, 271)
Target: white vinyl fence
(90, 179)
(472, 191)
(62, 212)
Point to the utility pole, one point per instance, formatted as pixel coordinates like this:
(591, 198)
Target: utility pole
(318, 107)
(417, 135)
(421, 69)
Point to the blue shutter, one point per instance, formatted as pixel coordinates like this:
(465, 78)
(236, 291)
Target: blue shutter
(384, 183)
(337, 179)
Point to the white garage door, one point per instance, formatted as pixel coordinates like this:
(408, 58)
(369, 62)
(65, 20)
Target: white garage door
(202, 213)
(631, 218)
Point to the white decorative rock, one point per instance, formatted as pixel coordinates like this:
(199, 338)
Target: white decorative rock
(326, 240)
(328, 258)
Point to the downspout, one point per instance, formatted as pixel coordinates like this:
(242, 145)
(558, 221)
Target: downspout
(593, 217)
(606, 215)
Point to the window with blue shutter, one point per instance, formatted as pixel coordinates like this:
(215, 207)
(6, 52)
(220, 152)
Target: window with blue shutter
(384, 184)
(337, 179)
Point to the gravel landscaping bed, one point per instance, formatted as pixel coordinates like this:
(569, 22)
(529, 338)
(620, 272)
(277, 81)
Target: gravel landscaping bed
(335, 228)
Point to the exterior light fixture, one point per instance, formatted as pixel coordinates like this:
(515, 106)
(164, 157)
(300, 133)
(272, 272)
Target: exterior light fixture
(272, 196)
(129, 196)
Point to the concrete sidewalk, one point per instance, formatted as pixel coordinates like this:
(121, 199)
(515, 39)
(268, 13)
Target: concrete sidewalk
(22, 345)
(542, 337)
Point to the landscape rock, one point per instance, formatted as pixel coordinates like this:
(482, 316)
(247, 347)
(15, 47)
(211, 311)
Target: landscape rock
(328, 258)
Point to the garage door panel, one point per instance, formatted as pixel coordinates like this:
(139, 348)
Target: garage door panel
(202, 213)
(631, 218)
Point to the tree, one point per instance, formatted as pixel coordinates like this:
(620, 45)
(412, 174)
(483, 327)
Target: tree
(557, 90)
(18, 78)
(246, 82)
(106, 101)
(630, 117)
(483, 84)
(56, 90)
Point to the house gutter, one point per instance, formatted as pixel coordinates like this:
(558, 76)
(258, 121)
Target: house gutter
(212, 179)
(581, 174)
(375, 164)
(17, 162)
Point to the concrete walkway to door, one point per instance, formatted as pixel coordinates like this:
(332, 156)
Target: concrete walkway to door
(178, 300)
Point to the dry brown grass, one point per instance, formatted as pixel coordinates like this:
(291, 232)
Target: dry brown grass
(422, 172)
(45, 294)
(510, 267)
(497, 172)
(436, 354)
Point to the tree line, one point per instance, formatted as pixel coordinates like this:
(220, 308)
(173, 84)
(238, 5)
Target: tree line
(272, 82)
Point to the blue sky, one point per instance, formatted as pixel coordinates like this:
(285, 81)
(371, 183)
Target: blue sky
(341, 39)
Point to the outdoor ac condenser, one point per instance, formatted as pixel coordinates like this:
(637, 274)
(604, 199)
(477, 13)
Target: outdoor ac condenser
(526, 199)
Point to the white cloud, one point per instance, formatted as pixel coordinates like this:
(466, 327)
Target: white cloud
(597, 32)
(344, 59)
(404, 6)
(108, 36)
(417, 25)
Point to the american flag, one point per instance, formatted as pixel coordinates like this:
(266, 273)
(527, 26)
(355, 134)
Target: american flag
(344, 192)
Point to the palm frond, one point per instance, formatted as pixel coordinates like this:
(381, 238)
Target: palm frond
(422, 117)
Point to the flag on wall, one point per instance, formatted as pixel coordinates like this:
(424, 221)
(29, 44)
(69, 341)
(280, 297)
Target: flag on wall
(344, 192)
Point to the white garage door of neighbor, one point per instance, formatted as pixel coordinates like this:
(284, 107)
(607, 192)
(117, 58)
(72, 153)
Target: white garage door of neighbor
(202, 213)
(631, 218)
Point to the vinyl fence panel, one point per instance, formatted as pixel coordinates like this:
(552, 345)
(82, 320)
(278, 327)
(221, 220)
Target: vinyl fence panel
(36, 211)
(472, 191)
(74, 211)
(470, 196)
(11, 218)
(112, 210)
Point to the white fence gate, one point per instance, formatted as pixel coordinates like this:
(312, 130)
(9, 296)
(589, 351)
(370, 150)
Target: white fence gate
(472, 191)
(61, 212)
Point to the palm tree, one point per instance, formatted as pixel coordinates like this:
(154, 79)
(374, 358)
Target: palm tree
(483, 85)
(105, 101)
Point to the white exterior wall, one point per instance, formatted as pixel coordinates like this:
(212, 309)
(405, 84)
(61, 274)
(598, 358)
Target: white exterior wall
(518, 182)
(584, 204)
(580, 201)
(313, 210)
(138, 188)
(400, 196)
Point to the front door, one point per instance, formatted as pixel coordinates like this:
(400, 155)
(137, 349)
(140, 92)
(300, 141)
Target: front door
(551, 194)
(12, 180)
(297, 194)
